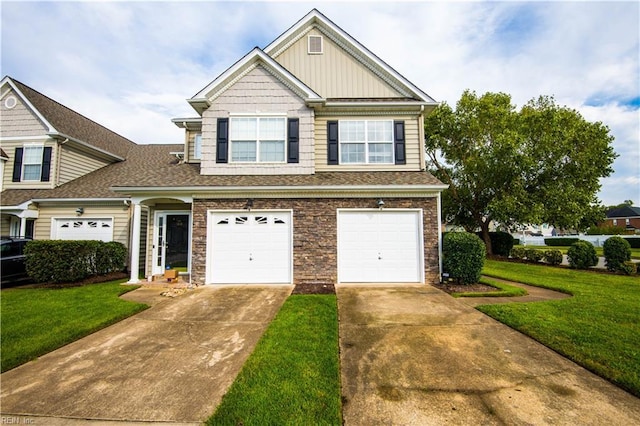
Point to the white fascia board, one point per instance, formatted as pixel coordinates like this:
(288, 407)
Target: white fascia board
(58, 136)
(7, 80)
(250, 58)
(184, 123)
(347, 104)
(78, 200)
(319, 18)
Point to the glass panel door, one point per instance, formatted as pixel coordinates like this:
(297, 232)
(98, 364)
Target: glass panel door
(171, 242)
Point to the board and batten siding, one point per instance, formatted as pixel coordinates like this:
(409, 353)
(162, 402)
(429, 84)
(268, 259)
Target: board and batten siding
(9, 147)
(19, 120)
(74, 164)
(413, 144)
(257, 92)
(335, 73)
(118, 211)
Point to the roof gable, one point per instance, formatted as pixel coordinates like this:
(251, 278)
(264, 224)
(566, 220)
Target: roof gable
(66, 123)
(203, 99)
(316, 21)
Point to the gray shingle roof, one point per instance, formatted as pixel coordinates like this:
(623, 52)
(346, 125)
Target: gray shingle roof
(70, 123)
(627, 211)
(153, 166)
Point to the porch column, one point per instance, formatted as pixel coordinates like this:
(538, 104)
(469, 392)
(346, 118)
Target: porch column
(23, 226)
(134, 250)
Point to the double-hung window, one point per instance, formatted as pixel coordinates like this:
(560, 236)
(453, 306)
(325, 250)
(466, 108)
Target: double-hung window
(32, 162)
(257, 139)
(366, 141)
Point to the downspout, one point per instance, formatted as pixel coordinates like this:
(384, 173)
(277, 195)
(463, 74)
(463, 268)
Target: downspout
(439, 204)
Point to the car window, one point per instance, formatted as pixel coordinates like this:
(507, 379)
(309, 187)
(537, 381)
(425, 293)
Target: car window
(10, 249)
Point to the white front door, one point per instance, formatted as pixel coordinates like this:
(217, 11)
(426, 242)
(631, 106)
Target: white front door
(249, 247)
(171, 241)
(380, 246)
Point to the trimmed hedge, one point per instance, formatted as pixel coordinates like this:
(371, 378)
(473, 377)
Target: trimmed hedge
(534, 255)
(553, 256)
(501, 242)
(559, 242)
(582, 255)
(519, 253)
(463, 256)
(60, 261)
(616, 252)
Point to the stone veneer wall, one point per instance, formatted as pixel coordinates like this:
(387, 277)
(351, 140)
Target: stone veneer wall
(314, 233)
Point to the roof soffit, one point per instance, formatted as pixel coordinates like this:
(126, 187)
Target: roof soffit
(317, 20)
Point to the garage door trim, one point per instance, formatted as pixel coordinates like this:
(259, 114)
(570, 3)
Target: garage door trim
(420, 236)
(209, 273)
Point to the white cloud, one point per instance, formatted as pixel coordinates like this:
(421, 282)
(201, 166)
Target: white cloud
(131, 65)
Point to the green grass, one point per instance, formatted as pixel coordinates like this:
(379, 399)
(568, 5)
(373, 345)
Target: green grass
(293, 375)
(599, 328)
(36, 321)
(635, 252)
(504, 290)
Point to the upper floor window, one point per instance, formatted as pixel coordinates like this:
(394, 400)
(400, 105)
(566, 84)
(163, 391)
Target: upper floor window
(257, 139)
(366, 142)
(32, 163)
(197, 146)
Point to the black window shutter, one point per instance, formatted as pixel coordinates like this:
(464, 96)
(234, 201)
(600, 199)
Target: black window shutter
(46, 164)
(17, 165)
(222, 145)
(399, 143)
(332, 142)
(293, 135)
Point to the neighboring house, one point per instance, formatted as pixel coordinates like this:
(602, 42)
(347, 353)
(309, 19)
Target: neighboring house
(627, 217)
(45, 147)
(304, 164)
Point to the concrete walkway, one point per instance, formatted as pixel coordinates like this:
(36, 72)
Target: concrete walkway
(417, 356)
(171, 363)
(534, 294)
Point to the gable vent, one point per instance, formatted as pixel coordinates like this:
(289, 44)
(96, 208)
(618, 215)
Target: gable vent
(315, 45)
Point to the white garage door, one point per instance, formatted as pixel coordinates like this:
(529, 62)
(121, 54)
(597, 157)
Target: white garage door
(380, 246)
(83, 229)
(249, 247)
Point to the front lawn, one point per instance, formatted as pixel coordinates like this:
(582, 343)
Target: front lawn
(599, 328)
(35, 321)
(293, 375)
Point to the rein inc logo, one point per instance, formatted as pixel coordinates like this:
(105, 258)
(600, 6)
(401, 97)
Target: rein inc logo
(17, 420)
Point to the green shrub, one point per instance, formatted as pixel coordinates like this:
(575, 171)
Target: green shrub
(559, 242)
(606, 230)
(582, 255)
(553, 257)
(69, 261)
(518, 253)
(534, 255)
(616, 252)
(501, 242)
(634, 242)
(463, 256)
(629, 268)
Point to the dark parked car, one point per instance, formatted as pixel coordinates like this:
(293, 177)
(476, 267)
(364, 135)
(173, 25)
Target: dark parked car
(13, 260)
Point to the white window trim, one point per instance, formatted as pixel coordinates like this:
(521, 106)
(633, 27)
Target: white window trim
(24, 162)
(366, 144)
(257, 117)
(197, 146)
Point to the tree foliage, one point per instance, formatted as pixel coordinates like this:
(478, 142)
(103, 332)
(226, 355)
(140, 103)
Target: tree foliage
(541, 164)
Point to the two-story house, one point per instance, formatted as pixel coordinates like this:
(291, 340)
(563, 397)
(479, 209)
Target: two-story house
(303, 164)
(45, 148)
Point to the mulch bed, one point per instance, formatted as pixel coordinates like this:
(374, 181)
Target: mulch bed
(90, 280)
(451, 287)
(308, 288)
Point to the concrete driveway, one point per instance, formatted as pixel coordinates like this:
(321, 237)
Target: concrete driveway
(170, 363)
(417, 356)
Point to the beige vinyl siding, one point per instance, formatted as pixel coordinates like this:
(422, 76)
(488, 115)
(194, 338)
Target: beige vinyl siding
(413, 144)
(335, 73)
(190, 136)
(9, 148)
(258, 92)
(116, 210)
(19, 120)
(5, 224)
(74, 164)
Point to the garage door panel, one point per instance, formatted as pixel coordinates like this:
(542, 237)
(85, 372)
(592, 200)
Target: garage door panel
(379, 246)
(250, 248)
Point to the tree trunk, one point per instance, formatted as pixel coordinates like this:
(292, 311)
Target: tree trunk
(484, 226)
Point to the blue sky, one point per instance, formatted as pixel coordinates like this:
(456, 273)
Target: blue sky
(131, 65)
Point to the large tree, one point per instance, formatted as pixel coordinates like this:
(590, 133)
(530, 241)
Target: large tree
(541, 164)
